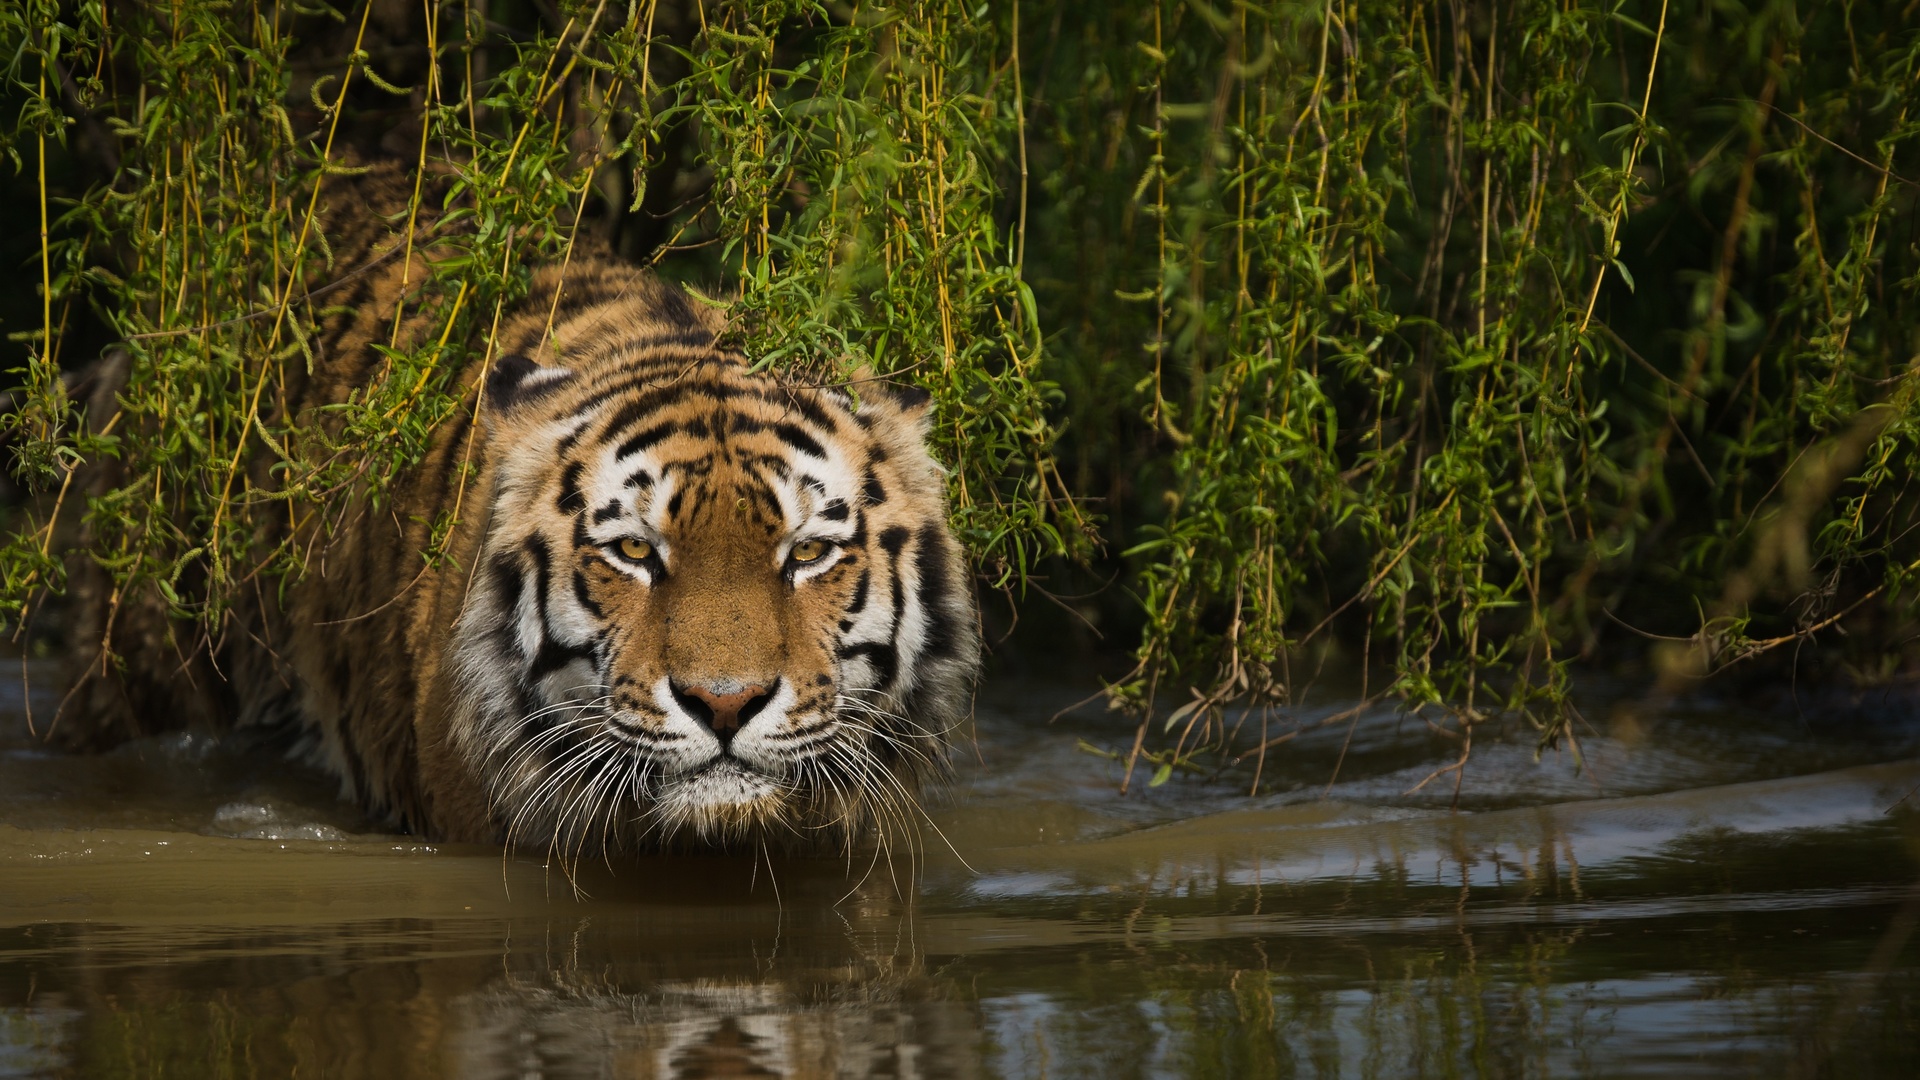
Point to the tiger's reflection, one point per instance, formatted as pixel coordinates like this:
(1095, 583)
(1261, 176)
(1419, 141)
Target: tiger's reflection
(699, 979)
(701, 1029)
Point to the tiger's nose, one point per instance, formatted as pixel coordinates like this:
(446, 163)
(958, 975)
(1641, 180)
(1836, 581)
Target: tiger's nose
(724, 707)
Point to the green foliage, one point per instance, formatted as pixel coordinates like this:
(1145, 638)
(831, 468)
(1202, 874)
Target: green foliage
(1464, 334)
(1470, 332)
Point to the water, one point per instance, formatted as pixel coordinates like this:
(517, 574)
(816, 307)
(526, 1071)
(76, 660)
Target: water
(1715, 890)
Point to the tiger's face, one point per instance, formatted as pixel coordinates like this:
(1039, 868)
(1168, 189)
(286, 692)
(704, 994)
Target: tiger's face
(707, 606)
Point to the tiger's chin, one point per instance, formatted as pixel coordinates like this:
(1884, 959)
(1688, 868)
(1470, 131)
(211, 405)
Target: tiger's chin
(723, 800)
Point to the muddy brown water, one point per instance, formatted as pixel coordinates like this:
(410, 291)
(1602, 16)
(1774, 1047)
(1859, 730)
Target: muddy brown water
(1714, 890)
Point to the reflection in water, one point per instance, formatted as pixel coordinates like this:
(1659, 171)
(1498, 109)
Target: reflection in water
(1752, 992)
(586, 995)
(165, 911)
(711, 1029)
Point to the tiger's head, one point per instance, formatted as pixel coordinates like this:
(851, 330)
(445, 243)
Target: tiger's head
(707, 606)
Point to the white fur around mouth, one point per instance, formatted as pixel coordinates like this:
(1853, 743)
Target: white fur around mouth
(722, 784)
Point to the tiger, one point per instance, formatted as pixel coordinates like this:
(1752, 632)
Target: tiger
(684, 602)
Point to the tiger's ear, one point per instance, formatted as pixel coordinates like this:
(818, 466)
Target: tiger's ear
(906, 399)
(516, 380)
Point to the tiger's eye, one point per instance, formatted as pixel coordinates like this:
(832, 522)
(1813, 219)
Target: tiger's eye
(637, 550)
(807, 551)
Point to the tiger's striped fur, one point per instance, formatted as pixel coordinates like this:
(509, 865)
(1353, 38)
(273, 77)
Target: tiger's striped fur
(629, 645)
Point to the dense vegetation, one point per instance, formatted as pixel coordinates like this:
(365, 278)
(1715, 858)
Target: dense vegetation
(1479, 338)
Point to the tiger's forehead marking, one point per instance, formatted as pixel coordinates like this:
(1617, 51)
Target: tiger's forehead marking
(705, 439)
